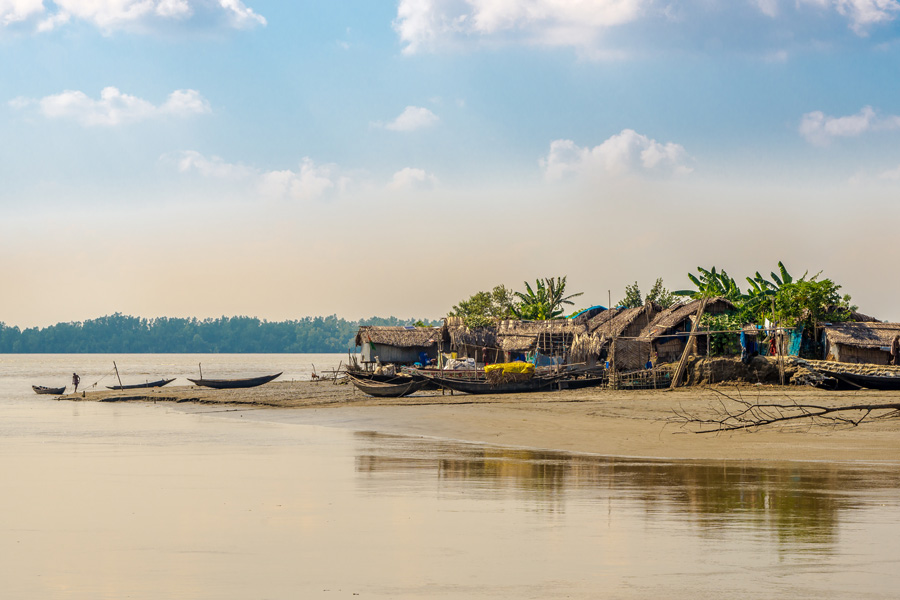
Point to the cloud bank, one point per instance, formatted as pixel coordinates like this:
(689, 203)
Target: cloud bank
(820, 129)
(423, 25)
(626, 153)
(109, 15)
(113, 107)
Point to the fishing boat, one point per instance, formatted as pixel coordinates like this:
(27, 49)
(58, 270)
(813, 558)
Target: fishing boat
(382, 389)
(136, 386)
(482, 386)
(221, 384)
(855, 381)
(399, 378)
(40, 389)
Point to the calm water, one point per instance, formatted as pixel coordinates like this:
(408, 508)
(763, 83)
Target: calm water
(157, 501)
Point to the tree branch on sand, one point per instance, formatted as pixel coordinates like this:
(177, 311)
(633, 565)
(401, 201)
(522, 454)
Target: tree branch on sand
(735, 413)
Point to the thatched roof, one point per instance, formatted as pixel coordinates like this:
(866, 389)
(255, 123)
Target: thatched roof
(677, 315)
(862, 335)
(615, 325)
(399, 337)
(484, 337)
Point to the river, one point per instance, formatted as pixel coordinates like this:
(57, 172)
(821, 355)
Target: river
(144, 501)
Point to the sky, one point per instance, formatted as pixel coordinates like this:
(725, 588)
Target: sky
(205, 158)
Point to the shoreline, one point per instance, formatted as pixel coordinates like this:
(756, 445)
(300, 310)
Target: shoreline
(614, 423)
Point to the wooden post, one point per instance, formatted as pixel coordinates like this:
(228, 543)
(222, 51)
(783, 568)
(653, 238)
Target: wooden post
(688, 347)
(117, 373)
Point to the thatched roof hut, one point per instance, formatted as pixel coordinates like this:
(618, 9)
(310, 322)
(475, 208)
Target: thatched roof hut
(551, 338)
(860, 342)
(398, 344)
(627, 323)
(662, 332)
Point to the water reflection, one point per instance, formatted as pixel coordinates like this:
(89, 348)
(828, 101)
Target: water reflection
(796, 503)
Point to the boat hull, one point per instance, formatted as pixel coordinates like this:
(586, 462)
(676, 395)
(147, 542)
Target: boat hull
(537, 384)
(387, 390)
(853, 381)
(137, 386)
(223, 384)
(39, 389)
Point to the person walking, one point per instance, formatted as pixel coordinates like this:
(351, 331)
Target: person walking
(75, 381)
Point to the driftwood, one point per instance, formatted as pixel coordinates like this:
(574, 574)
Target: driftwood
(735, 413)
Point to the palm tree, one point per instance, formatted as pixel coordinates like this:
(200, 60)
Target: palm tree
(545, 300)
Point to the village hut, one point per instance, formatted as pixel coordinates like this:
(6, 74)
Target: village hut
(545, 340)
(613, 335)
(399, 345)
(478, 343)
(859, 342)
(666, 333)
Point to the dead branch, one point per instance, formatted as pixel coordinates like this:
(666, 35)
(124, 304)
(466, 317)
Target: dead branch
(732, 413)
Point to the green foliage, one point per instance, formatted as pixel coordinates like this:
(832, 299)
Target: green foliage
(723, 344)
(807, 302)
(657, 294)
(545, 301)
(632, 298)
(712, 283)
(125, 334)
(485, 308)
(660, 295)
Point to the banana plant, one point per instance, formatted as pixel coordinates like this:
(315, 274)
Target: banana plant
(712, 283)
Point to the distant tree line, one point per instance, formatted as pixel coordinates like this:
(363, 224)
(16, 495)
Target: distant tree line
(126, 334)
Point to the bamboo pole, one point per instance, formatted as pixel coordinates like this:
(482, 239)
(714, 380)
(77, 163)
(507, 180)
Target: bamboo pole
(117, 373)
(688, 348)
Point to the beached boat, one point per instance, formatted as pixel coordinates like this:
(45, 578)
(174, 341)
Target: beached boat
(854, 381)
(39, 389)
(221, 384)
(136, 386)
(482, 386)
(383, 389)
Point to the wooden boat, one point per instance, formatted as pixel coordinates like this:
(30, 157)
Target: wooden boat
(221, 384)
(855, 381)
(399, 378)
(136, 386)
(387, 390)
(481, 386)
(39, 389)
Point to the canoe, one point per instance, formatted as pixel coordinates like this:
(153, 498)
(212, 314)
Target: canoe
(387, 390)
(136, 386)
(476, 386)
(854, 381)
(221, 384)
(39, 389)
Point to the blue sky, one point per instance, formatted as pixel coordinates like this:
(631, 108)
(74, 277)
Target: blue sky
(219, 157)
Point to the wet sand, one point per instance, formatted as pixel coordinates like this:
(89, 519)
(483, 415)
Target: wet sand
(604, 422)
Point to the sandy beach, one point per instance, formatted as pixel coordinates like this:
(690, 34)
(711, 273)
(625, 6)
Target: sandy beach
(605, 422)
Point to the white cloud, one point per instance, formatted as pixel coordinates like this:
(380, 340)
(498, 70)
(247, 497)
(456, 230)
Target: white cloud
(307, 182)
(115, 14)
(421, 23)
(625, 153)
(412, 118)
(768, 7)
(215, 167)
(12, 11)
(114, 107)
(819, 128)
(410, 178)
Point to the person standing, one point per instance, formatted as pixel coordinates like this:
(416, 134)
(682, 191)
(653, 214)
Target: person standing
(895, 350)
(75, 381)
